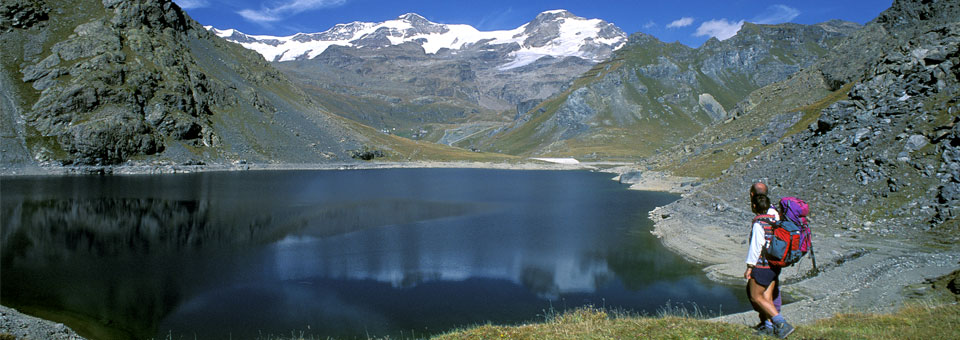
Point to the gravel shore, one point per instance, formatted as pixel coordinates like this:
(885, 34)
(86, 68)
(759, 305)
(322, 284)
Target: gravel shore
(154, 169)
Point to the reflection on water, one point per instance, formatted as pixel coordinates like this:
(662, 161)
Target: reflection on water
(333, 253)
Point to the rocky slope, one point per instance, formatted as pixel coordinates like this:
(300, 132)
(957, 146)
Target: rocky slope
(883, 147)
(653, 95)
(113, 81)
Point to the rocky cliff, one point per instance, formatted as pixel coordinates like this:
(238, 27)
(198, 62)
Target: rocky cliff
(106, 82)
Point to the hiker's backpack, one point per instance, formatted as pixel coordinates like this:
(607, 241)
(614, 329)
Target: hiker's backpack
(791, 234)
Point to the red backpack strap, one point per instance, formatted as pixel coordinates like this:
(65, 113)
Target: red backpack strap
(768, 218)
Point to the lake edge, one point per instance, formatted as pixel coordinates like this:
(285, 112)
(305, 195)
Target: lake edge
(15, 317)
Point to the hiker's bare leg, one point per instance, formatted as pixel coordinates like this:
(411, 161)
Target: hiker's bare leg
(768, 294)
(763, 297)
(756, 306)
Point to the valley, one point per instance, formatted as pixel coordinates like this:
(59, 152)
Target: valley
(859, 120)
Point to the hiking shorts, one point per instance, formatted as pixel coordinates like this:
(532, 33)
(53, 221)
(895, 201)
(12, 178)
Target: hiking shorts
(764, 276)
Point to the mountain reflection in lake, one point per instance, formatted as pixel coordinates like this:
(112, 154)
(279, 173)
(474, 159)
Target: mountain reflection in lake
(341, 253)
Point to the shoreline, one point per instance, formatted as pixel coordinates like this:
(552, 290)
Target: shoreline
(161, 169)
(699, 227)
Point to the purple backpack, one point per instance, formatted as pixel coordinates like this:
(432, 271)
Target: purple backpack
(796, 210)
(790, 236)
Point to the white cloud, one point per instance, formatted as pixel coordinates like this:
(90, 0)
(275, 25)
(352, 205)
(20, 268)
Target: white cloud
(497, 20)
(776, 14)
(285, 9)
(190, 4)
(258, 16)
(720, 28)
(682, 22)
(650, 24)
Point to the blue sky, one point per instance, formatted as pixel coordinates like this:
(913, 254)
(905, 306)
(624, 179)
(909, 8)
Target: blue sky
(690, 22)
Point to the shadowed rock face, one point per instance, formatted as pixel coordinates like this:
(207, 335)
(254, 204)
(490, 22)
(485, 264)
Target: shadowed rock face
(140, 80)
(119, 85)
(22, 14)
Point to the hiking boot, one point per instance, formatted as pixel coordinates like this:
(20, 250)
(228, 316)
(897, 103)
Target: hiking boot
(763, 330)
(782, 330)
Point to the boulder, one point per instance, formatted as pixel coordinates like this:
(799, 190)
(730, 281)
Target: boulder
(916, 142)
(631, 177)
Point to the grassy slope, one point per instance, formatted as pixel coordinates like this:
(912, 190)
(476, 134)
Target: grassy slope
(528, 135)
(403, 149)
(912, 322)
(713, 159)
(614, 142)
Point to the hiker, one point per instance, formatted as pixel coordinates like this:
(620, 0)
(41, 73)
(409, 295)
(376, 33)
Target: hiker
(762, 278)
(759, 188)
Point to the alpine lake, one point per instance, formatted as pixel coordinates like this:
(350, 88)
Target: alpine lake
(347, 254)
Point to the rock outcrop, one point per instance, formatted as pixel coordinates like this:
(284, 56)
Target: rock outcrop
(103, 105)
(132, 80)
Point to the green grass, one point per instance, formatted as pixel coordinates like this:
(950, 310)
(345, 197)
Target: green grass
(811, 113)
(912, 322)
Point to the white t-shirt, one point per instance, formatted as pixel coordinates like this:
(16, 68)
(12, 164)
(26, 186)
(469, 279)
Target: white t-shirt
(758, 239)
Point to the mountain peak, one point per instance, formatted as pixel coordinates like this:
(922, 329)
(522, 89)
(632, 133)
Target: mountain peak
(558, 26)
(413, 18)
(551, 18)
(556, 13)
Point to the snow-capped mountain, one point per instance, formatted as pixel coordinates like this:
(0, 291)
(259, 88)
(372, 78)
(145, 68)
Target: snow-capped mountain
(556, 33)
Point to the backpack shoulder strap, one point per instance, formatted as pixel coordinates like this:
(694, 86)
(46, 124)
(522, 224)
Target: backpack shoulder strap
(769, 219)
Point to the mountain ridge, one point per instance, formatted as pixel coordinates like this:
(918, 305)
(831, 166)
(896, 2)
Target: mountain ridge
(555, 33)
(652, 94)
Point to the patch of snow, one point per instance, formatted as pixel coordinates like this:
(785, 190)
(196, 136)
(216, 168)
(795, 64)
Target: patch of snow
(574, 35)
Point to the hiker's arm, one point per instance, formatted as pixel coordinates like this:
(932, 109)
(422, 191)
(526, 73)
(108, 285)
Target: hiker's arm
(756, 244)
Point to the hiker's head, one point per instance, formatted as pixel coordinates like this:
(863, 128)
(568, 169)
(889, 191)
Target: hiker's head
(758, 189)
(759, 203)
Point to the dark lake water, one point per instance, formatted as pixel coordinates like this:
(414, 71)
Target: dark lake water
(340, 253)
